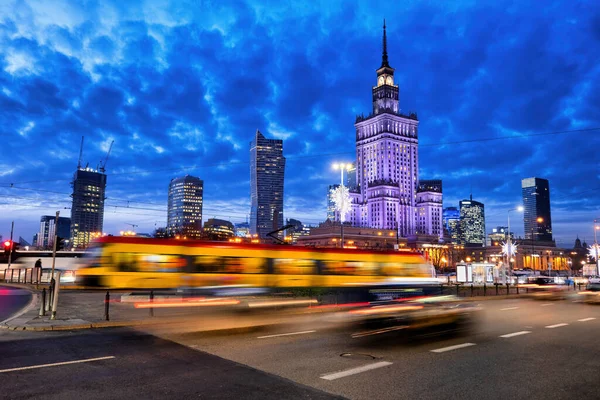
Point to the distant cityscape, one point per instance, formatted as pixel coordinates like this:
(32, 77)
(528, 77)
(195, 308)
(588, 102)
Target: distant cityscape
(389, 205)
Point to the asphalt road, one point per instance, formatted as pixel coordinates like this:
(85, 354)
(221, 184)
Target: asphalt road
(518, 349)
(122, 364)
(12, 300)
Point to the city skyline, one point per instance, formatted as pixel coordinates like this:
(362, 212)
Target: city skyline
(179, 94)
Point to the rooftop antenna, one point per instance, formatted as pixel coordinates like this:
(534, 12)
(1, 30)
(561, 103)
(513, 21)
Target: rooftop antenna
(80, 154)
(102, 167)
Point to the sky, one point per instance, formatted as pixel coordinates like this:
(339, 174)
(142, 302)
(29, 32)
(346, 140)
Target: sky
(503, 91)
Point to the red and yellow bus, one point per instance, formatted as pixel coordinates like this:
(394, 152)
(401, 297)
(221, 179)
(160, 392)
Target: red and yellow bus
(129, 262)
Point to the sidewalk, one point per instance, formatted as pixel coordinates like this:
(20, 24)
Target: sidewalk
(85, 310)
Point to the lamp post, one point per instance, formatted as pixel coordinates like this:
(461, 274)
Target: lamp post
(509, 249)
(342, 198)
(596, 227)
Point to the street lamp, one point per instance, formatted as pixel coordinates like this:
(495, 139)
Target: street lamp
(596, 227)
(342, 198)
(509, 249)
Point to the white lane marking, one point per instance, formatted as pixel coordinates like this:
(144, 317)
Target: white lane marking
(508, 308)
(358, 370)
(546, 304)
(455, 347)
(56, 364)
(285, 334)
(515, 334)
(557, 325)
(586, 319)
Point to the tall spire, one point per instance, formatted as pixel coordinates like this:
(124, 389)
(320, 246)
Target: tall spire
(384, 58)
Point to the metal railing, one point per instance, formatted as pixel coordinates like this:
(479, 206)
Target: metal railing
(35, 275)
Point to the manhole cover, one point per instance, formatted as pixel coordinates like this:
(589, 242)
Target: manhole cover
(359, 355)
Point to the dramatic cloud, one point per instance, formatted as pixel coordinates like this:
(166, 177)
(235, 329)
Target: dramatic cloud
(181, 87)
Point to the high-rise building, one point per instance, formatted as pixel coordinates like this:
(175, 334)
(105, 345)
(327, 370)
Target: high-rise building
(472, 223)
(386, 160)
(184, 209)
(451, 217)
(331, 212)
(537, 219)
(45, 237)
(429, 208)
(267, 168)
(218, 229)
(87, 210)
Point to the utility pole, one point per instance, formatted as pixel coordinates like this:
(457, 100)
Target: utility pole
(12, 227)
(54, 244)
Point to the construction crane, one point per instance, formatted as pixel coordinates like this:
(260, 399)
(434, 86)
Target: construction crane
(102, 166)
(132, 225)
(80, 154)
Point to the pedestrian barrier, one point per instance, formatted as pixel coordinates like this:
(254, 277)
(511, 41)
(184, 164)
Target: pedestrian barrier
(36, 276)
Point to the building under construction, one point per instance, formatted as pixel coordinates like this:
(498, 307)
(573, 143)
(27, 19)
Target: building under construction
(87, 210)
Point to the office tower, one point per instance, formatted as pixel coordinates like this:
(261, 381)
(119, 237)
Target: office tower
(537, 219)
(472, 223)
(45, 237)
(87, 210)
(184, 209)
(267, 167)
(386, 159)
(429, 208)
(451, 218)
(331, 212)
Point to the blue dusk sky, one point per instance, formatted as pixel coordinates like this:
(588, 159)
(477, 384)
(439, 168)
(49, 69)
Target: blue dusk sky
(503, 90)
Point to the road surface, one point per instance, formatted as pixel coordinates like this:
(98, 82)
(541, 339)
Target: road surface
(12, 300)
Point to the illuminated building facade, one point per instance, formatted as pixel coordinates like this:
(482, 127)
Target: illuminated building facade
(451, 220)
(537, 220)
(45, 237)
(218, 229)
(472, 223)
(267, 167)
(429, 208)
(498, 236)
(184, 210)
(387, 169)
(87, 209)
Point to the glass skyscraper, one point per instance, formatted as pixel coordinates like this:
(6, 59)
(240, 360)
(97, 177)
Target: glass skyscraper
(537, 220)
(184, 213)
(45, 237)
(87, 210)
(451, 218)
(472, 223)
(331, 214)
(267, 167)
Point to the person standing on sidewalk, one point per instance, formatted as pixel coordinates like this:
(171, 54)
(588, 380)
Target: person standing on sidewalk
(38, 269)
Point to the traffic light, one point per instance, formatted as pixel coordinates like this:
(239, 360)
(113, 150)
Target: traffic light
(60, 243)
(8, 244)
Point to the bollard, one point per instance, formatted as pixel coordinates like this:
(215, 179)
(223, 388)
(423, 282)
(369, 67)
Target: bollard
(106, 305)
(50, 295)
(471, 290)
(496, 288)
(441, 290)
(507, 289)
(574, 287)
(579, 285)
(55, 296)
(151, 301)
(517, 285)
(457, 293)
(43, 305)
(484, 289)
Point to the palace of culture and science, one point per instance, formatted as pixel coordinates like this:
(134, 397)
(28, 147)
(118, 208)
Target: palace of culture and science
(388, 193)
